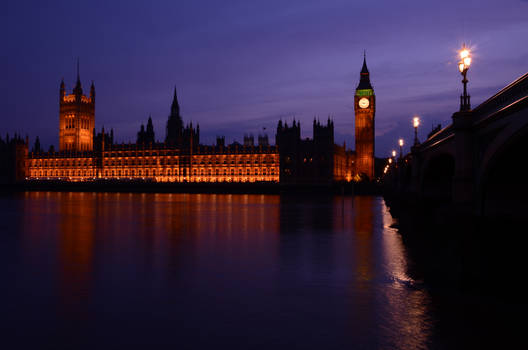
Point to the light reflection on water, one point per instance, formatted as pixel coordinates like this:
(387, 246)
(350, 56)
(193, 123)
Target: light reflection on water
(211, 270)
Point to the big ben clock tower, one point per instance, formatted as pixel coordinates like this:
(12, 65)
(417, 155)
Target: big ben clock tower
(365, 108)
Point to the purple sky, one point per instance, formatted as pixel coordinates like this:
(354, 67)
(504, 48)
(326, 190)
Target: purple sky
(242, 65)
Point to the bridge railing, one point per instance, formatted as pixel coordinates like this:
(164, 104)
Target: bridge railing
(509, 94)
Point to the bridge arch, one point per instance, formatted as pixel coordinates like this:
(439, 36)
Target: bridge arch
(437, 178)
(501, 179)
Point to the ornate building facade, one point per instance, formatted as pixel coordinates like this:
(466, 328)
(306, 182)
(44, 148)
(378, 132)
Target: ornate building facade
(180, 158)
(84, 155)
(76, 118)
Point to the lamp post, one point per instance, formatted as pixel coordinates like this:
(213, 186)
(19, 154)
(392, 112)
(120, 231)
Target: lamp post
(400, 141)
(463, 66)
(416, 123)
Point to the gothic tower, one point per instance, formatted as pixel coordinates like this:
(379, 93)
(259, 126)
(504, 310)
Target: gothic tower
(76, 118)
(174, 135)
(365, 109)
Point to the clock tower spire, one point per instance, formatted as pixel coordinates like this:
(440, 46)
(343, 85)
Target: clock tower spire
(365, 109)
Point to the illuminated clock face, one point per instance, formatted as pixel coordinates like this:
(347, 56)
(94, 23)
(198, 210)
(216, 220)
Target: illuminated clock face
(363, 102)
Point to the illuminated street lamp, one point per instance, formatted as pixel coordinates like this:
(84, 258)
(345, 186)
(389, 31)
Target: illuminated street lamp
(393, 154)
(416, 123)
(400, 141)
(463, 66)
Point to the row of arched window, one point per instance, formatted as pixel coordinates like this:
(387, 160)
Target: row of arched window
(84, 123)
(195, 172)
(147, 173)
(62, 162)
(174, 161)
(62, 173)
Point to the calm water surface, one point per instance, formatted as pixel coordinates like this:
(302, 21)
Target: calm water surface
(98, 270)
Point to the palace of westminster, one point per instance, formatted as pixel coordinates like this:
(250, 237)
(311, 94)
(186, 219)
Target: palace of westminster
(84, 155)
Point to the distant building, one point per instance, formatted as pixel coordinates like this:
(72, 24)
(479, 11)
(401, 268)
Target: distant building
(316, 160)
(13, 155)
(84, 155)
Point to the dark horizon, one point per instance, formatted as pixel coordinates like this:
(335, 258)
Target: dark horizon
(240, 68)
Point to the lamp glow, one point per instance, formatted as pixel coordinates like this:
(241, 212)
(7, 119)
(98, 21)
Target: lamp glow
(416, 123)
(400, 141)
(463, 66)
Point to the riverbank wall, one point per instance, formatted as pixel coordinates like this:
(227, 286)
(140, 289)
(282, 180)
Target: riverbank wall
(349, 188)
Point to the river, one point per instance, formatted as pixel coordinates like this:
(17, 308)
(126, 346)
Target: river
(119, 270)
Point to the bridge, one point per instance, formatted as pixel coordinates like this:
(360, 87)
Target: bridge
(475, 164)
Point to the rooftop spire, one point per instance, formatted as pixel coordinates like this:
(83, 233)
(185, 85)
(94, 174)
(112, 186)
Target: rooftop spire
(364, 81)
(78, 88)
(175, 108)
(364, 69)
